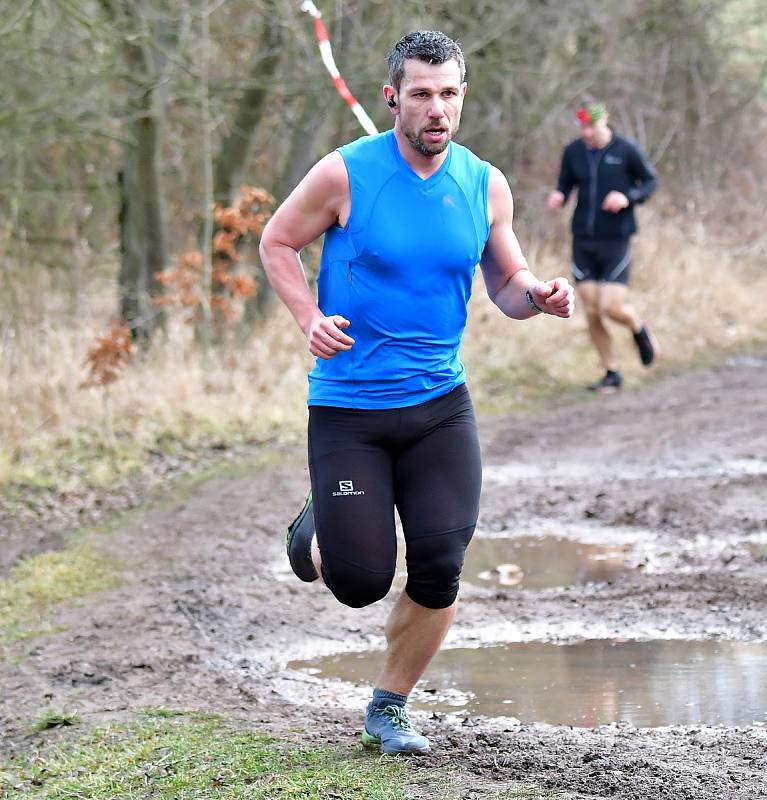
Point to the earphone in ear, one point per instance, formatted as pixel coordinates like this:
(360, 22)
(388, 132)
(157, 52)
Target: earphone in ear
(391, 102)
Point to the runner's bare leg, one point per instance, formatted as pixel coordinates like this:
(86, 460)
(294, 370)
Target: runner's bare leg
(414, 635)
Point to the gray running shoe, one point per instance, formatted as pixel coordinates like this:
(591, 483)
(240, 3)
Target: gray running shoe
(389, 728)
(299, 543)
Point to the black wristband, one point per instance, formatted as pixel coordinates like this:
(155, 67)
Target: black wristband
(531, 303)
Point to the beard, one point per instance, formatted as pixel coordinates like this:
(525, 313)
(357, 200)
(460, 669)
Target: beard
(429, 148)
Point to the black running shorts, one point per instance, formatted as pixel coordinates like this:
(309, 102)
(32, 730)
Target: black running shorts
(423, 459)
(608, 260)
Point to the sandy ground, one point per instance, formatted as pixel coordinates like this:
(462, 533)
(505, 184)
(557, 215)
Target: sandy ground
(208, 617)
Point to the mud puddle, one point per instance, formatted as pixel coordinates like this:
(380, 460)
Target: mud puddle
(527, 562)
(586, 684)
(535, 562)
(542, 562)
(580, 554)
(659, 471)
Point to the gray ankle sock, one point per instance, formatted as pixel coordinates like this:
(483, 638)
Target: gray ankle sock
(383, 698)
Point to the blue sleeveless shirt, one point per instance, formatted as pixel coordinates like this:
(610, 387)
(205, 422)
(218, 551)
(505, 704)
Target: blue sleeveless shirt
(401, 272)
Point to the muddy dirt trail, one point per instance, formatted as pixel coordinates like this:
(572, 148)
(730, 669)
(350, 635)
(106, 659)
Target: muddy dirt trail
(209, 617)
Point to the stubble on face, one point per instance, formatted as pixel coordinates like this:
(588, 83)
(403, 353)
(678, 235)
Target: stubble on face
(422, 147)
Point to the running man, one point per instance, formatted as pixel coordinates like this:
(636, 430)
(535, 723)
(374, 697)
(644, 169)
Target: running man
(612, 176)
(407, 215)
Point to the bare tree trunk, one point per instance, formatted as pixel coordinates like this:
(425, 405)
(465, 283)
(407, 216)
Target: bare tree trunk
(143, 234)
(232, 159)
(153, 211)
(132, 268)
(206, 331)
(236, 146)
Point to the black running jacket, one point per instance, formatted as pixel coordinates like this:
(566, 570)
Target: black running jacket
(621, 166)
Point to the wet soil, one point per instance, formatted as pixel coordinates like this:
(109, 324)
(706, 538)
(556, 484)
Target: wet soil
(208, 616)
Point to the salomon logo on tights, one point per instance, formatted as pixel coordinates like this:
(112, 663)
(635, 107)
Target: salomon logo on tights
(346, 488)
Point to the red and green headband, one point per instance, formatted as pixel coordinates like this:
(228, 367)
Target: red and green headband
(589, 114)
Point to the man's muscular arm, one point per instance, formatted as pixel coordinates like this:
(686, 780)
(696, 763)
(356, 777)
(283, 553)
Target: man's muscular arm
(318, 202)
(507, 275)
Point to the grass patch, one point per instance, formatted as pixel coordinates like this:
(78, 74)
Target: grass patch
(163, 713)
(38, 583)
(82, 460)
(54, 719)
(170, 754)
(231, 470)
(197, 758)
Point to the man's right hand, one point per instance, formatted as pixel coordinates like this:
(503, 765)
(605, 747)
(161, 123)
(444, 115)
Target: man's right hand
(326, 337)
(555, 200)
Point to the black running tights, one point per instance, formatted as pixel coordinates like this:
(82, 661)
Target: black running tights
(424, 460)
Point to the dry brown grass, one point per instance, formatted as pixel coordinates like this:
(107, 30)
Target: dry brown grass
(698, 295)
(169, 394)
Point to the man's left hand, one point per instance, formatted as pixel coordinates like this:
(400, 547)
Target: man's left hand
(555, 297)
(615, 202)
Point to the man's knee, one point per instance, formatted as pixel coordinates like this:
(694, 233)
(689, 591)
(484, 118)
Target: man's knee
(355, 586)
(593, 312)
(433, 594)
(589, 302)
(615, 311)
(434, 567)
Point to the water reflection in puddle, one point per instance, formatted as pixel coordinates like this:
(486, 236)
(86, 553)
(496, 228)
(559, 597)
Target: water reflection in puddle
(731, 468)
(541, 562)
(590, 683)
(535, 562)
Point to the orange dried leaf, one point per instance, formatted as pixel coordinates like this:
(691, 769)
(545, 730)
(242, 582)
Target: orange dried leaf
(108, 356)
(191, 259)
(224, 243)
(190, 298)
(242, 286)
(231, 220)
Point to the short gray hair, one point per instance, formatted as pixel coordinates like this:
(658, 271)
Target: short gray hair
(432, 47)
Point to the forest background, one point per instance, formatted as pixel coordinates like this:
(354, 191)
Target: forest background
(124, 122)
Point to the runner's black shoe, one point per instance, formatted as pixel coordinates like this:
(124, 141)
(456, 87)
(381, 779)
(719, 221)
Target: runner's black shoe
(299, 543)
(646, 344)
(610, 382)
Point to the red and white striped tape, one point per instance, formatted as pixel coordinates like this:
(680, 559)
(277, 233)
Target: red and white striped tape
(327, 59)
